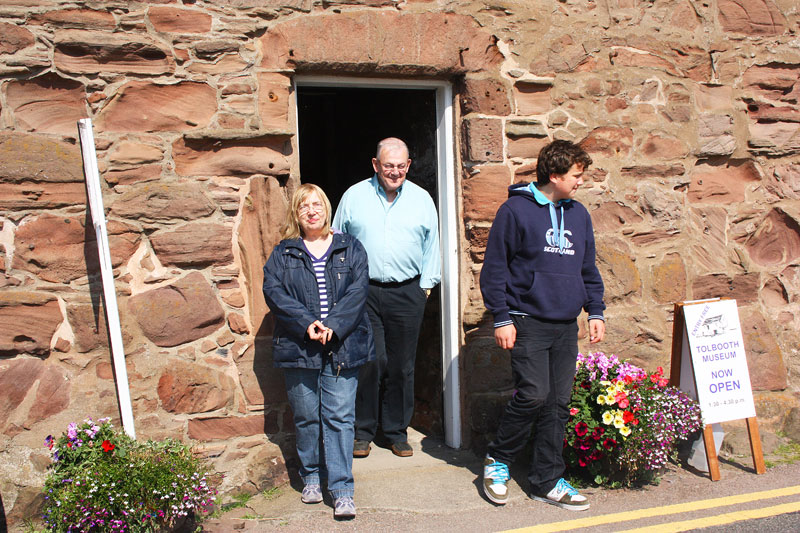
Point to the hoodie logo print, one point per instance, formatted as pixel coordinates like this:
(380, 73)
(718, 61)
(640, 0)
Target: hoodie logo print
(552, 241)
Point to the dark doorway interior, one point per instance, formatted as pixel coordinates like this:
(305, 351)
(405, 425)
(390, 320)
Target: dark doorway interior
(338, 130)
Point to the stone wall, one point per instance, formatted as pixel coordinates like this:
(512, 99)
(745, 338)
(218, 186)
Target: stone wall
(689, 109)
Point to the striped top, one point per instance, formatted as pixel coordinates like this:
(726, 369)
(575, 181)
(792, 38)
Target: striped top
(319, 272)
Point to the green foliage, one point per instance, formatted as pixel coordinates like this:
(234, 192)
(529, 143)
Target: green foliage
(271, 494)
(102, 480)
(788, 453)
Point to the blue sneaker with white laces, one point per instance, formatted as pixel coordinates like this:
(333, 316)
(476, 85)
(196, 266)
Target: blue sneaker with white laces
(495, 477)
(565, 496)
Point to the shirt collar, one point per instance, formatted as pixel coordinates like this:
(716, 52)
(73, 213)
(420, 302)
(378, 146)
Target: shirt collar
(541, 199)
(379, 190)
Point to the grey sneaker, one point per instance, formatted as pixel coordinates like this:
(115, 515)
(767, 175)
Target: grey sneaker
(344, 508)
(495, 477)
(312, 493)
(565, 496)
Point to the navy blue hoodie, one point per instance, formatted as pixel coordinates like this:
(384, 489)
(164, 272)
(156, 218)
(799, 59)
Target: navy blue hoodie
(526, 271)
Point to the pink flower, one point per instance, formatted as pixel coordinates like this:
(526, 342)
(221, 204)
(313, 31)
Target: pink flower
(573, 411)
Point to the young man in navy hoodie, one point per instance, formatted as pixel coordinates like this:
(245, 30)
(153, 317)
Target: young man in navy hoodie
(538, 274)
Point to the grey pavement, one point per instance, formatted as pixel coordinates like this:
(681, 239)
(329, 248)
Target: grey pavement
(438, 489)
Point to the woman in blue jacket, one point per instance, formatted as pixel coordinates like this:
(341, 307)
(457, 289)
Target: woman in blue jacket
(315, 284)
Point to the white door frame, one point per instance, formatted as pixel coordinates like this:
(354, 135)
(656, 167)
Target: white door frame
(448, 228)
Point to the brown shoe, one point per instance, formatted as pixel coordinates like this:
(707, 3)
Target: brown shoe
(402, 449)
(361, 448)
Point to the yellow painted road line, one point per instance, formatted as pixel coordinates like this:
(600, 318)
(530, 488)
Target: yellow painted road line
(658, 511)
(718, 520)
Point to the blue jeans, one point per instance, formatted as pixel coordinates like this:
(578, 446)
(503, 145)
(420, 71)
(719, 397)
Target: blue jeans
(324, 407)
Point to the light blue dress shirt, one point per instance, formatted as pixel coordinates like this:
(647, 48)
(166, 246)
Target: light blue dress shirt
(401, 237)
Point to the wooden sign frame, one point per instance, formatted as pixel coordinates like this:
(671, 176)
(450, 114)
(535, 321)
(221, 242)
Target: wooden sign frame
(678, 329)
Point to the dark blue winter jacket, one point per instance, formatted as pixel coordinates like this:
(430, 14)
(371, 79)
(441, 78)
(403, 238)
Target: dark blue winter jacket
(290, 290)
(526, 271)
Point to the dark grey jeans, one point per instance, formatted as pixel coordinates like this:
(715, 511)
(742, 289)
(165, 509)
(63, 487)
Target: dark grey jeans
(543, 367)
(385, 394)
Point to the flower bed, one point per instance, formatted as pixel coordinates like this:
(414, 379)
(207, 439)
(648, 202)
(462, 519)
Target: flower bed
(102, 480)
(624, 423)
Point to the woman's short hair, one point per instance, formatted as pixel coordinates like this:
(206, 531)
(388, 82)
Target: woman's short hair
(557, 158)
(291, 228)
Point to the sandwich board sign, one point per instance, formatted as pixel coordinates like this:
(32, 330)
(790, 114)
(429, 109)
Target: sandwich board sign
(709, 363)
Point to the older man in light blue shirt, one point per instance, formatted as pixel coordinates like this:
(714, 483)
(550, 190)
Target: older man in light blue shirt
(396, 221)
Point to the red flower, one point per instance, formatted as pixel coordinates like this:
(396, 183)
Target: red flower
(628, 380)
(69, 445)
(635, 422)
(609, 444)
(107, 446)
(627, 416)
(598, 433)
(581, 429)
(663, 382)
(573, 411)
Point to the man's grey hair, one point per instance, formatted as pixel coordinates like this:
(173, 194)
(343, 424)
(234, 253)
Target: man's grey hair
(390, 143)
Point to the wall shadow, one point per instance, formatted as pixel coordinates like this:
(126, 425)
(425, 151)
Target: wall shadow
(278, 423)
(3, 521)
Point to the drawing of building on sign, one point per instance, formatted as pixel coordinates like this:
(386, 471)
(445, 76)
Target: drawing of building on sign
(713, 326)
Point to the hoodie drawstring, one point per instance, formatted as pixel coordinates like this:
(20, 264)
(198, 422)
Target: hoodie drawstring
(558, 235)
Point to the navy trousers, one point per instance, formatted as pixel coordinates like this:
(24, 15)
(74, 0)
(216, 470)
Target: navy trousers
(385, 395)
(543, 367)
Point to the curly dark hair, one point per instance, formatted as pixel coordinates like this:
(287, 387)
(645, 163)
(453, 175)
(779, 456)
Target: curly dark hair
(557, 158)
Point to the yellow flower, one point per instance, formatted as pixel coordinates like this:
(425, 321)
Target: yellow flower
(601, 400)
(618, 422)
(625, 431)
(620, 386)
(611, 391)
(605, 383)
(607, 417)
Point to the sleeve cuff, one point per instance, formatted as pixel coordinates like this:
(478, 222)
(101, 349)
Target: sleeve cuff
(428, 283)
(502, 319)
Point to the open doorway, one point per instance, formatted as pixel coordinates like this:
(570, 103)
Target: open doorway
(339, 126)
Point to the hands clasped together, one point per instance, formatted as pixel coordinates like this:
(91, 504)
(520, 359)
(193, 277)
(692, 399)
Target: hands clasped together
(317, 331)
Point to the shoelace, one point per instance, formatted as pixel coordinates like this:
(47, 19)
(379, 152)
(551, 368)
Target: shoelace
(564, 486)
(344, 501)
(497, 472)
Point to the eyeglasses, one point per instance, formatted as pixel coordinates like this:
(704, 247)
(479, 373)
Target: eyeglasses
(388, 167)
(316, 207)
